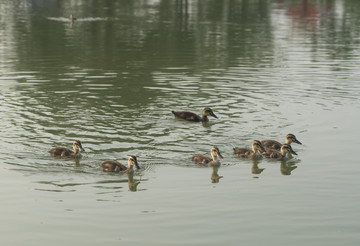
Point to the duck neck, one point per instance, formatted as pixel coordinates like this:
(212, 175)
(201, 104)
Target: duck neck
(214, 157)
(130, 168)
(204, 118)
(256, 151)
(283, 154)
(77, 152)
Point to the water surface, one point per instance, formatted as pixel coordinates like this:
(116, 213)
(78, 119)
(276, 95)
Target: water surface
(111, 79)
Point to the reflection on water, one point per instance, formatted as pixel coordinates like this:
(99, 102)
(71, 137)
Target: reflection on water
(255, 167)
(133, 183)
(287, 167)
(215, 177)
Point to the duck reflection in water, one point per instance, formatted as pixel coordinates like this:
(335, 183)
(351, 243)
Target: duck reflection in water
(287, 167)
(215, 177)
(255, 168)
(133, 183)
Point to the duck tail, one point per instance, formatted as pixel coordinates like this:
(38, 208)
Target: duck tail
(172, 111)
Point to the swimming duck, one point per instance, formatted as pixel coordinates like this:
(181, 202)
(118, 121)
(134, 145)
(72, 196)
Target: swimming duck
(68, 153)
(207, 161)
(250, 153)
(115, 166)
(189, 116)
(72, 18)
(284, 153)
(272, 144)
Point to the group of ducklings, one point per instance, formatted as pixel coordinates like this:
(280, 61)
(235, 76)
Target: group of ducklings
(266, 148)
(107, 166)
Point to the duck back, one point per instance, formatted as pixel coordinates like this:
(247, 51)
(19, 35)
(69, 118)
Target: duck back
(201, 159)
(113, 166)
(271, 144)
(61, 152)
(185, 115)
(244, 152)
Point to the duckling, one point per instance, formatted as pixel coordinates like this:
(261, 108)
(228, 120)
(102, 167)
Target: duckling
(207, 161)
(72, 18)
(284, 153)
(189, 116)
(115, 166)
(68, 153)
(272, 144)
(248, 153)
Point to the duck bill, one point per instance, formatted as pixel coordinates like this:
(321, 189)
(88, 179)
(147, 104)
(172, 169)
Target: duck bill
(262, 149)
(220, 156)
(137, 165)
(297, 141)
(293, 152)
(213, 115)
(81, 148)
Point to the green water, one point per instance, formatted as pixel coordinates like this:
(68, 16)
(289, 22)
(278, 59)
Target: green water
(111, 79)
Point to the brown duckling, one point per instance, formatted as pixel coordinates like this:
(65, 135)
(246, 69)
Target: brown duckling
(284, 153)
(189, 116)
(272, 144)
(115, 166)
(207, 161)
(68, 153)
(253, 153)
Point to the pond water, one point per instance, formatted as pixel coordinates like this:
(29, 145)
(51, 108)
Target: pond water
(111, 79)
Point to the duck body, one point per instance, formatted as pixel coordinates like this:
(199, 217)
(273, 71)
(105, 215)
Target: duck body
(274, 154)
(284, 153)
(250, 153)
(115, 166)
(207, 161)
(201, 159)
(246, 153)
(66, 152)
(190, 116)
(272, 144)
